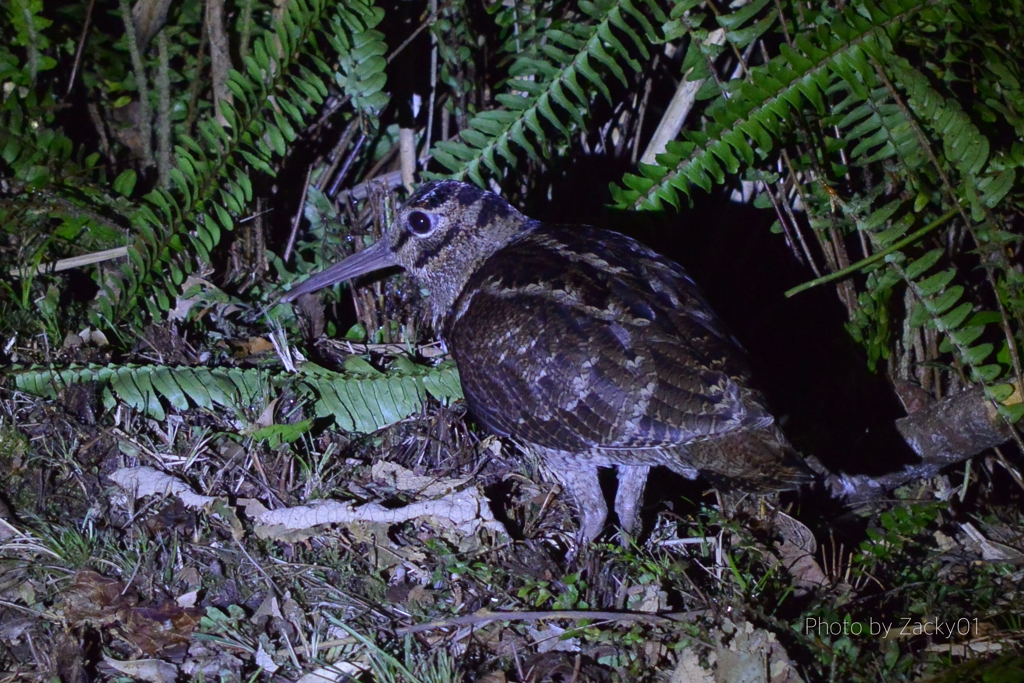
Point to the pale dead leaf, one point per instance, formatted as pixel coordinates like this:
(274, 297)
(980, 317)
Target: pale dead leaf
(71, 341)
(191, 576)
(753, 655)
(183, 304)
(292, 611)
(91, 336)
(465, 511)
(944, 542)
(152, 670)
(689, 669)
(548, 638)
(992, 551)
(252, 507)
(146, 481)
(26, 592)
(797, 552)
(339, 671)
(264, 660)
(650, 599)
(468, 511)
(181, 308)
(186, 600)
(403, 479)
(267, 608)
(965, 649)
(266, 418)
(211, 664)
(253, 346)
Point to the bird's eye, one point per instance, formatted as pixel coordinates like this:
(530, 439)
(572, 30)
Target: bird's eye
(420, 223)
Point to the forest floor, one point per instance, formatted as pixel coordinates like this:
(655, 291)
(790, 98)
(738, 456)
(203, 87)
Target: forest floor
(213, 545)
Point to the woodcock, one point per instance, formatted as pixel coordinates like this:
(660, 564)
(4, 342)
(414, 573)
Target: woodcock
(584, 347)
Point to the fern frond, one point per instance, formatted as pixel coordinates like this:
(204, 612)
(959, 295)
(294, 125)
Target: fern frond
(362, 402)
(553, 86)
(758, 109)
(211, 187)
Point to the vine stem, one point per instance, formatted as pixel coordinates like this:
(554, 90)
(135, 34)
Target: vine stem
(874, 258)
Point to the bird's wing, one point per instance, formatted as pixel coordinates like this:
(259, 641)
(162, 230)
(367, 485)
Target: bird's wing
(573, 346)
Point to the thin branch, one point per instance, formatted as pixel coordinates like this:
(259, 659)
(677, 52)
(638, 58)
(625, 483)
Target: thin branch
(298, 216)
(877, 256)
(947, 432)
(419, 29)
(73, 262)
(486, 616)
(139, 69)
(433, 88)
(678, 109)
(244, 27)
(81, 46)
(220, 58)
(163, 113)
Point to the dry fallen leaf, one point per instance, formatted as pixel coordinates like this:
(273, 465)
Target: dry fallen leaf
(797, 551)
(106, 603)
(151, 670)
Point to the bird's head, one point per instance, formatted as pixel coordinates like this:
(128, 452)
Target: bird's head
(442, 235)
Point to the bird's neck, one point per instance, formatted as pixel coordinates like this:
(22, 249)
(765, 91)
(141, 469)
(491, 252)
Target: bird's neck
(452, 269)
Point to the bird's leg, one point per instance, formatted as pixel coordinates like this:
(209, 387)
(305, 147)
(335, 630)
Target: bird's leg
(629, 497)
(580, 480)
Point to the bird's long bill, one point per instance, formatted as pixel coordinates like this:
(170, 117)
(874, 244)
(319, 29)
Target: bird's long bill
(374, 257)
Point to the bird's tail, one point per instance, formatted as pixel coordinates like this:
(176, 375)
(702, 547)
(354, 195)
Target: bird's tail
(756, 461)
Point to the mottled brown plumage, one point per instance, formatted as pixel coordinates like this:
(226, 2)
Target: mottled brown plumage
(583, 346)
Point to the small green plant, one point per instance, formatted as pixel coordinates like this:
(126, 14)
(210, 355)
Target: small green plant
(900, 528)
(567, 594)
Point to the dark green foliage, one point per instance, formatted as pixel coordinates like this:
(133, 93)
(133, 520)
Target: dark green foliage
(211, 183)
(868, 110)
(286, 77)
(886, 134)
(874, 91)
(362, 399)
(556, 73)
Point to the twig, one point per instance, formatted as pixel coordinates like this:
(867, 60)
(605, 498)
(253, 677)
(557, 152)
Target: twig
(97, 122)
(334, 157)
(876, 257)
(73, 262)
(343, 173)
(244, 28)
(298, 216)
(407, 155)
(81, 46)
(195, 88)
(220, 59)
(163, 113)
(486, 616)
(392, 180)
(412, 36)
(139, 69)
(787, 205)
(678, 109)
(643, 110)
(433, 88)
(943, 434)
